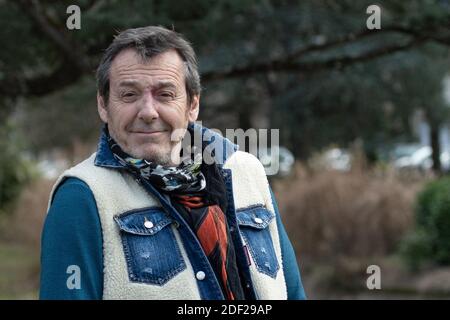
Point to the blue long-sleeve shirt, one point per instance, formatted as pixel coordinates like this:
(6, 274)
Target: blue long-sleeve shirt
(72, 236)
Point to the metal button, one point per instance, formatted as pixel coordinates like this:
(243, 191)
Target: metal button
(200, 275)
(148, 224)
(257, 220)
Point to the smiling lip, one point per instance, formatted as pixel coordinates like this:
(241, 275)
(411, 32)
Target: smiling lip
(148, 132)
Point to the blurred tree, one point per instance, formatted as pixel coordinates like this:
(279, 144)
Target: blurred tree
(417, 84)
(15, 171)
(311, 68)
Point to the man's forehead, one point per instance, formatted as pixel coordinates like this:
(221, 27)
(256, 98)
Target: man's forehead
(129, 63)
(155, 83)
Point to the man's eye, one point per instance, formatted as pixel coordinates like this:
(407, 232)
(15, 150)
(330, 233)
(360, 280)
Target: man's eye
(129, 96)
(166, 95)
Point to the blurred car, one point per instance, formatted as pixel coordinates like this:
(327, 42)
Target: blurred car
(337, 159)
(416, 156)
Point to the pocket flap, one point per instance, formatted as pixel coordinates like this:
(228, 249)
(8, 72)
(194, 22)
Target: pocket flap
(143, 222)
(257, 217)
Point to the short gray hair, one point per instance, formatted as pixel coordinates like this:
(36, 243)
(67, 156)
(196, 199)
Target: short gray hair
(149, 42)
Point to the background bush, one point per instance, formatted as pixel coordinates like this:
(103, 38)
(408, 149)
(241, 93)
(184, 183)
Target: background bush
(332, 215)
(430, 241)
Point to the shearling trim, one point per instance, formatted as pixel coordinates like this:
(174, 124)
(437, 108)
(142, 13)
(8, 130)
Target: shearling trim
(251, 187)
(116, 193)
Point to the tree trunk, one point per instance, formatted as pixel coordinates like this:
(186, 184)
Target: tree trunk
(244, 118)
(435, 147)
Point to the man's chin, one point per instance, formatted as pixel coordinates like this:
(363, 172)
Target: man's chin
(153, 154)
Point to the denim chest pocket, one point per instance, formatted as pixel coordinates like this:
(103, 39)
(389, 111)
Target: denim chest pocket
(151, 249)
(254, 226)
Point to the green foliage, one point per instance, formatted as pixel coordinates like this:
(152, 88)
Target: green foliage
(416, 248)
(15, 171)
(430, 242)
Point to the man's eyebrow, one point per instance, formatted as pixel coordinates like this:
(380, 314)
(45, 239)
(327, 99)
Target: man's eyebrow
(165, 85)
(158, 85)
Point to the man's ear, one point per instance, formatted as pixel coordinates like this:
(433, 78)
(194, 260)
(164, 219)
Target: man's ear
(194, 108)
(101, 108)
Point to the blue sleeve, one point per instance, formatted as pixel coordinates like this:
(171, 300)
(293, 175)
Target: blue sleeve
(72, 253)
(290, 267)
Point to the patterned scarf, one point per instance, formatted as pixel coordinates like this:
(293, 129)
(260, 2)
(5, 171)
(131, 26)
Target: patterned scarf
(185, 178)
(201, 204)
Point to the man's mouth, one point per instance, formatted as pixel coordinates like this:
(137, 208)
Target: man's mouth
(149, 132)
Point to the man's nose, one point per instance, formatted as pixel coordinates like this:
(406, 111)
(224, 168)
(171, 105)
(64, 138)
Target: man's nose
(148, 110)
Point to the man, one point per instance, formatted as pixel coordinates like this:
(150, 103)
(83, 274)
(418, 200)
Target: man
(144, 219)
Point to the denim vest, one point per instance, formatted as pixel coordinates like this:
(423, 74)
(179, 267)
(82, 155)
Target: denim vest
(149, 250)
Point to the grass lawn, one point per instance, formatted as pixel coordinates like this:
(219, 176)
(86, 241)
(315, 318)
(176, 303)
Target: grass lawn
(19, 271)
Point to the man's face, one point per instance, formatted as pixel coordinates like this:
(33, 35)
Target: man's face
(147, 103)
